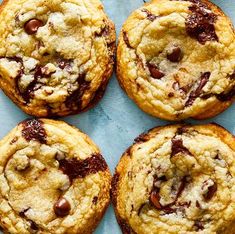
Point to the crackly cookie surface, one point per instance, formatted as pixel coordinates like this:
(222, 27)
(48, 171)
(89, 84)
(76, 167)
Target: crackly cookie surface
(176, 59)
(56, 57)
(175, 180)
(53, 179)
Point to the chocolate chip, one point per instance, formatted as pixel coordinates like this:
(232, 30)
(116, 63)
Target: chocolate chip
(210, 193)
(33, 130)
(62, 207)
(200, 23)
(178, 147)
(175, 55)
(75, 168)
(32, 26)
(196, 93)
(150, 16)
(154, 71)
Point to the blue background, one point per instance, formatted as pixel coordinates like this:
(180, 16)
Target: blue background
(116, 120)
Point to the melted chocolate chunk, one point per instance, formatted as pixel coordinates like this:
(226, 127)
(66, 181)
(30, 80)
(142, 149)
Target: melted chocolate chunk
(62, 207)
(126, 40)
(198, 225)
(150, 16)
(210, 193)
(142, 138)
(178, 147)
(33, 130)
(155, 196)
(224, 97)
(114, 187)
(74, 168)
(32, 26)
(200, 23)
(29, 92)
(155, 201)
(33, 225)
(154, 71)
(75, 98)
(196, 93)
(175, 55)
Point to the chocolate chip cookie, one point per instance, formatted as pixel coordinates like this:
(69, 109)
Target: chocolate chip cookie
(53, 180)
(56, 57)
(176, 59)
(177, 179)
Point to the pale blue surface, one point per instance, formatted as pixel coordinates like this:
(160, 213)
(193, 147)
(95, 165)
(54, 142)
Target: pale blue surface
(116, 120)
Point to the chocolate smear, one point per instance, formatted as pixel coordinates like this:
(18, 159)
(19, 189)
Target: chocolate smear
(178, 147)
(126, 40)
(196, 93)
(75, 168)
(74, 100)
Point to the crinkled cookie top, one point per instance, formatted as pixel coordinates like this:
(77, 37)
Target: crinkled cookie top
(177, 180)
(55, 56)
(176, 59)
(53, 180)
